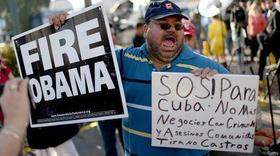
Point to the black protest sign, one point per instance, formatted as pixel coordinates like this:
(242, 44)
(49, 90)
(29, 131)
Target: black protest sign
(212, 113)
(73, 71)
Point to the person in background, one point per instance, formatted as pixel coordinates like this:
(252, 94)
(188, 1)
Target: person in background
(205, 21)
(256, 24)
(15, 106)
(200, 33)
(189, 33)
(6, 74)
(269, 39)
(238, 24)
(269, 5)
(139, 39)
(217, 33)
(114, 37)
(226, 19)
(108, 127)
(263, 7)
(243, 4)
(164, 51)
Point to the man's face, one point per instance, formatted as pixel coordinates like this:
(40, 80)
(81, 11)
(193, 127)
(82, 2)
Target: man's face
(165, 38)
(269, 4)
(243, 4)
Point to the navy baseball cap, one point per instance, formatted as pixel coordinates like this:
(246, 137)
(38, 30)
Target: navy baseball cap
(158, 10)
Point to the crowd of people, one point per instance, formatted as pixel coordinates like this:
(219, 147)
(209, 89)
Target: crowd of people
(246, 26)
(178, 38)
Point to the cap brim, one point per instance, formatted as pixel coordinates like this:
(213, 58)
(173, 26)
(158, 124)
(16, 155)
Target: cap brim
(170, 14)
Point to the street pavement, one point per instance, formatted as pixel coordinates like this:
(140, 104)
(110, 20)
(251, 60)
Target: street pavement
(89, 141)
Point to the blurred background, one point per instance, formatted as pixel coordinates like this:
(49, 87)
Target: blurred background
(242, 53)
(17, 16)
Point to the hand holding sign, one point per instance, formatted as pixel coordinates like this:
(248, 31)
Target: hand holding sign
(204, 72)
(58, 20)
(15, 105)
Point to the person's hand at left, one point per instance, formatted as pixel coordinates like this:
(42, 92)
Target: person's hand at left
(204, 72)
(15, 106)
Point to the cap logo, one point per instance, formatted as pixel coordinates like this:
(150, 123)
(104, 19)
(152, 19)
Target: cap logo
(168, 6)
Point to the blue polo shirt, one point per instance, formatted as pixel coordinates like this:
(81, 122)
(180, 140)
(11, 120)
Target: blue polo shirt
(136, 70)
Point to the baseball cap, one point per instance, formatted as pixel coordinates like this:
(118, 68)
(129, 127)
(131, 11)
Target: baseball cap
(158, 10)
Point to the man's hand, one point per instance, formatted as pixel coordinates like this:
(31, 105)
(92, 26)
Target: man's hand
(204, 72)
(58, 19)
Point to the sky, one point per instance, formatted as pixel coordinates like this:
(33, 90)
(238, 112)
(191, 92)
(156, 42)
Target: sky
(77, 4)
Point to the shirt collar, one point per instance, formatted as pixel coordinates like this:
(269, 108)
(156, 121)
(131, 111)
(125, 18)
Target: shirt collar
(186, 53)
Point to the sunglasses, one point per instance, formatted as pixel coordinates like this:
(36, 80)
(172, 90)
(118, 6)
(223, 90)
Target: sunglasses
(166, 26)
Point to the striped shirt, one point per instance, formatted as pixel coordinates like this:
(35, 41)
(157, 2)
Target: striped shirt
(136, 70)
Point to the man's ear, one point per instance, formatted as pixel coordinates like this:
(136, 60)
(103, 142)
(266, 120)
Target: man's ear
(145, 30)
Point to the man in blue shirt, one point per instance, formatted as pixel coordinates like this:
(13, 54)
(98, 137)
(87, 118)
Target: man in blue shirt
(164, 51)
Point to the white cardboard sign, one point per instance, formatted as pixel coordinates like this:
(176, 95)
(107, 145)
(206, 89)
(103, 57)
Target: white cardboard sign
(213, 113)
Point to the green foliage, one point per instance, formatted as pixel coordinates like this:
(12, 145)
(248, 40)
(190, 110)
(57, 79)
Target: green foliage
(26, 9)
(7, 52)
(2, 5)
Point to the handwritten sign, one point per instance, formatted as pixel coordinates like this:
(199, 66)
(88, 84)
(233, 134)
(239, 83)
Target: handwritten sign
(213, 113)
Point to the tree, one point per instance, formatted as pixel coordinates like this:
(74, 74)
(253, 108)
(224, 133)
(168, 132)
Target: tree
(28, 9)
(20, 13)
(7, 53)
(2, 6)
